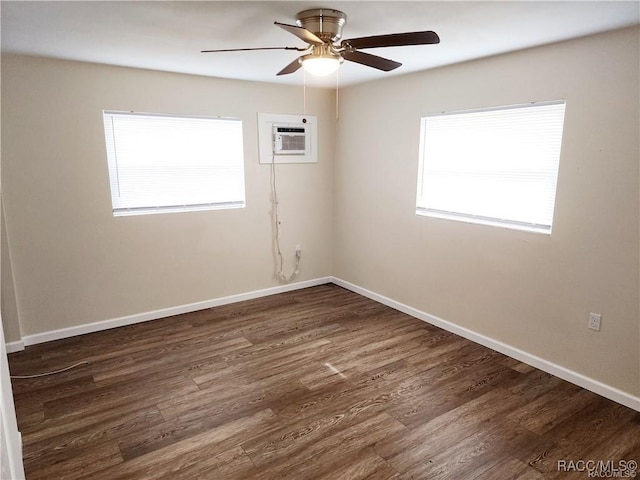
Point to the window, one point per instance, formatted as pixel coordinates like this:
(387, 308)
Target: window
(495, 166)
(168, 163)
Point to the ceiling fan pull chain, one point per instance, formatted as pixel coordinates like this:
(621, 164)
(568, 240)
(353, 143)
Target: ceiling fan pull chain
(337, 95)
(304, 92)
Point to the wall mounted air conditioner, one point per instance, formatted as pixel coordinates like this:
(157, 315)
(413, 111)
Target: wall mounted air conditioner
(286, 138)
(290, 140)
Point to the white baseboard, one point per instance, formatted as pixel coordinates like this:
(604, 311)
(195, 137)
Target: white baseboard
(155, 314)
(576, 378)
(14, 346)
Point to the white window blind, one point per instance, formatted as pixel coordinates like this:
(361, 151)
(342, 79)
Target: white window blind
(494, 166)
(163, 163)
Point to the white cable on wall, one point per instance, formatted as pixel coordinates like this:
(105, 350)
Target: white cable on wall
(276, 228)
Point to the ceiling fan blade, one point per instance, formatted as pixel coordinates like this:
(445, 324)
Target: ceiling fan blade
(250, 49)
(393, 40)
(301, 33)
(292, 67)
(370, 60)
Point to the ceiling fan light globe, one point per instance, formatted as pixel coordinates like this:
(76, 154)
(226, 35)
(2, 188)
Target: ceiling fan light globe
(321, 66)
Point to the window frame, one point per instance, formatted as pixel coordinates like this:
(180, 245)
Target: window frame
(120, 208)
(422, 210)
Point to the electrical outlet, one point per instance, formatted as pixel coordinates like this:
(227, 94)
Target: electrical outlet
(298, 249)
(594, 321)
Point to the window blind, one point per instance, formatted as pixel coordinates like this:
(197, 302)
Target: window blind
(497, 166)
(162, 163)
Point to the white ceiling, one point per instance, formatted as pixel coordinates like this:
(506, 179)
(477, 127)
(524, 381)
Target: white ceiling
(168, 36)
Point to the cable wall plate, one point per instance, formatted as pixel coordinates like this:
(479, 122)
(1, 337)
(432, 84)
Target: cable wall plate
(286, 138)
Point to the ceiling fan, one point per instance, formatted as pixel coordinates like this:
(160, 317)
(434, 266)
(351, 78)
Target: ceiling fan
(321, 28)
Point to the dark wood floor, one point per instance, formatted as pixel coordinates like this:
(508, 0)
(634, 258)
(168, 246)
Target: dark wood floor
(315, 384)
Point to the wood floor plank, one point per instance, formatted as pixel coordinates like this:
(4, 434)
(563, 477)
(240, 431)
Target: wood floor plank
(510, 469)
(163, 360)
(230, 464)
(83, 464)
(141, 391)
(552, 408)
(406, 450)
(318, 458)
(303, 432)
(364, 464)
(610, 444)
(478, 452)
(314, 384)
(227, 406)
(189, 452)
(59, 447)
(210, 398)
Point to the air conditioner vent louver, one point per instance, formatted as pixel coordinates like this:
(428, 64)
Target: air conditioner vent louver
(289, 140)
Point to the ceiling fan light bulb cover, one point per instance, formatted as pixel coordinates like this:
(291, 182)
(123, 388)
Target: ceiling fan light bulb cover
(321, 66)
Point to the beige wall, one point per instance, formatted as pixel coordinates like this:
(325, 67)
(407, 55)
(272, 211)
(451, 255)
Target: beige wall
(74, 263)
(530, 291)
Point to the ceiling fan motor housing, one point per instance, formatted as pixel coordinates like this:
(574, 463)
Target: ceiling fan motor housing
(321, 29)
(325, 23)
